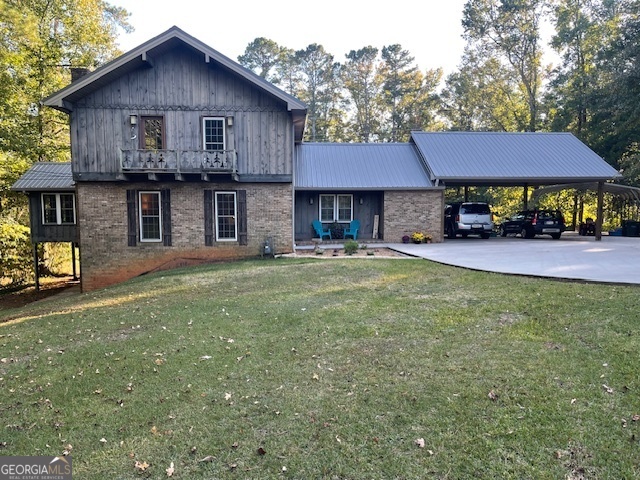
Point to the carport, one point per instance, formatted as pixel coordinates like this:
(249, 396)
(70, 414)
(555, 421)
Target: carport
(501, 159)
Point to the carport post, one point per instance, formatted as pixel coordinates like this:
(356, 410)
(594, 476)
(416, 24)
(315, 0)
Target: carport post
(525, 197)
(600, 210)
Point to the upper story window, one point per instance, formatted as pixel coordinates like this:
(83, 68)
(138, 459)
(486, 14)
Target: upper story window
(336, 208)
(58, 209)
(152, 133)
(213, 133)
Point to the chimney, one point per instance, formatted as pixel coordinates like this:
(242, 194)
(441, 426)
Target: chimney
(78, 72)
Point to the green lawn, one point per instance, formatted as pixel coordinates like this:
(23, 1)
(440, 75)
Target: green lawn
(328, 369)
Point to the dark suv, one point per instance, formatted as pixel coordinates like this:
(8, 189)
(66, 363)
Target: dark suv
(529, 223)
(468, 218)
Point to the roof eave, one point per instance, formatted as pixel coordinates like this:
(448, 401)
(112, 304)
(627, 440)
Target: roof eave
(139, 56)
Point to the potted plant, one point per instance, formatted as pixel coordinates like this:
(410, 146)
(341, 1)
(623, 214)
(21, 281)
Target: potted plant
(417, 237)
(406, 238)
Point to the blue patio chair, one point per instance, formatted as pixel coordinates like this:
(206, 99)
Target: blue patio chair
(352, 231)
(320, 231)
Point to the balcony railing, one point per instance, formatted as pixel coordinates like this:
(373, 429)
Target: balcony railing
(178, 161)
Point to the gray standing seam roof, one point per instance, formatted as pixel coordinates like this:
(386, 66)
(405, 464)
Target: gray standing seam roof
(46, 176)
(359, 166)
(485, 158)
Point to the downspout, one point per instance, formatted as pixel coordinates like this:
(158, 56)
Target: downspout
(293, 188)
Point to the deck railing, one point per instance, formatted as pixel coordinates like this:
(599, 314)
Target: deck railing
(178, 161)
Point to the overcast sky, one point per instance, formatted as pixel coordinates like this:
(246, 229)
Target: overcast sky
(429, 29)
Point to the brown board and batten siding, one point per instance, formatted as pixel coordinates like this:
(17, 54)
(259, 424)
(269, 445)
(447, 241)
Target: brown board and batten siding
(182, 87)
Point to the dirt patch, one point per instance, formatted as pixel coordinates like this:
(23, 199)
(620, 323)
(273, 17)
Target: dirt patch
(369, 252)
(48, 288)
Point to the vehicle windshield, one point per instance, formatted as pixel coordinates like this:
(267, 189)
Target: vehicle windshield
(475, 208)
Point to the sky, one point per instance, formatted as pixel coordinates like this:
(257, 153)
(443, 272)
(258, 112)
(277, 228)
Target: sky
(429, 29)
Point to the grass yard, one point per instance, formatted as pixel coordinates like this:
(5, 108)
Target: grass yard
(315, 369)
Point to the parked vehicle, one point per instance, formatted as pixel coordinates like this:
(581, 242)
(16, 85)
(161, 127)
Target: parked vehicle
(468, 218)
(529, 223)
(587, 228)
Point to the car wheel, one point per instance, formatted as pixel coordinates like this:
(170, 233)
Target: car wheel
(555, 236)
(485, 235)
(524, 233)
(503, 232)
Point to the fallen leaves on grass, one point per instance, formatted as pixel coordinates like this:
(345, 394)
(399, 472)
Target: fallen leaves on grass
(607, 388)
(170, 470)
(419, 442)
(141, 467)
(493, 396)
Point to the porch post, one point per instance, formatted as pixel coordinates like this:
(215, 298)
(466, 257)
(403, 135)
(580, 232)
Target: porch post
(35, 265)
(525, 197)
(73, 260)
(600, 211)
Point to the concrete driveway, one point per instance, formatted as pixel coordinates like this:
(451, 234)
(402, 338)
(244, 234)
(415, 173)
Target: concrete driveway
(612, 260)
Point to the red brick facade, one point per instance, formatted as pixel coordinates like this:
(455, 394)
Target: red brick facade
(107, 258)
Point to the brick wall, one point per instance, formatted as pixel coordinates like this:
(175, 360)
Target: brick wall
(406, 212)
(106, 258)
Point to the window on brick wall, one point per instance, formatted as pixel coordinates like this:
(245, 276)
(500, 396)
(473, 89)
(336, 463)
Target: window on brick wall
(149, 216)
(225, 216)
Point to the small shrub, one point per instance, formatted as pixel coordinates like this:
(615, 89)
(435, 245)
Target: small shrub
(337, 231)
(350, 247)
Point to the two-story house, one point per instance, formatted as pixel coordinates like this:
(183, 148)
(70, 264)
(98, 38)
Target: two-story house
(180, 155)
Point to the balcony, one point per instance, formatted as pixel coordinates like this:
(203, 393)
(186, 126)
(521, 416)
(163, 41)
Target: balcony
(179, 162)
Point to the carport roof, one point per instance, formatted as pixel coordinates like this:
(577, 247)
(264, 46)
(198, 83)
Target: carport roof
(509, 159)
(359, 166)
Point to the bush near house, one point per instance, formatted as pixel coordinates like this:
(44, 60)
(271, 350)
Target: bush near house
(15, 253)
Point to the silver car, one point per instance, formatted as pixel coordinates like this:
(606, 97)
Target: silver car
(468, 218)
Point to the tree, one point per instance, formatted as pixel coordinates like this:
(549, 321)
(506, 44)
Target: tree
(319, 90)
(509, 31)
(40, 41)
(484, 95)
(262, 56)
(363, 83)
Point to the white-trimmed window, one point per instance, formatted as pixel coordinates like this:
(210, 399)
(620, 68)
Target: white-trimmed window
(336, 208)
(150, 216)
(213, 133)
(226, 211)
(58, 209)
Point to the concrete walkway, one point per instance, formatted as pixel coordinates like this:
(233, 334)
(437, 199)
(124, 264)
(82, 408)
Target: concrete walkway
(611, 260)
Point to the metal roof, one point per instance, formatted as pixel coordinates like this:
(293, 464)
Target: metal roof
(500, 159)
(625, 192)
(46, 177)
(359, 166)
(142, 57)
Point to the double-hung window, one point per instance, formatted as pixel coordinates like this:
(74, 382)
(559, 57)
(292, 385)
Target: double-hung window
(150, 216)
(58, 209)
(226, 211)
(213, 134)
(336, 208)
